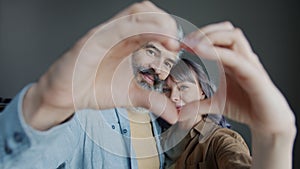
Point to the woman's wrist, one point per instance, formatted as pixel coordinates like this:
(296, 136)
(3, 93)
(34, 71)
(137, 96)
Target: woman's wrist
(273, 150)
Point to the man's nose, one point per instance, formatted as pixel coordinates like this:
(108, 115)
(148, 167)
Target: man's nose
(157, 66)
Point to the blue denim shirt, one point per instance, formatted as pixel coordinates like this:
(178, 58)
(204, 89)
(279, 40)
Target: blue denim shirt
(90, 139)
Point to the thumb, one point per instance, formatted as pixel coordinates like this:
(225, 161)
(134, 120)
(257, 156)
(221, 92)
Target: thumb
(156, 102)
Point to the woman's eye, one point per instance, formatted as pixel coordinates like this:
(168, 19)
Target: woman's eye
(181, 88)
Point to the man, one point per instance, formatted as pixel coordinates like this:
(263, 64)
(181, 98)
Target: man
(110, 132)
(89, 138)
(120, 128)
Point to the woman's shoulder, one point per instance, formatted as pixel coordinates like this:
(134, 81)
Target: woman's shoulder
(228, 139)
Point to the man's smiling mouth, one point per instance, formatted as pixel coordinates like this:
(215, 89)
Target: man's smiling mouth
(148, 78)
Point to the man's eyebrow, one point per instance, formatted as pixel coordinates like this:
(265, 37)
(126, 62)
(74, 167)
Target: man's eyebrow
(153, 47)
(149, 45)
(172, 61)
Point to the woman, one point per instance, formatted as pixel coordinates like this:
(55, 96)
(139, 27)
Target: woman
(209, 144)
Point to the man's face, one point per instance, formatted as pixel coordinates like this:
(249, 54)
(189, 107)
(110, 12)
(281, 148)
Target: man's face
(152, 63)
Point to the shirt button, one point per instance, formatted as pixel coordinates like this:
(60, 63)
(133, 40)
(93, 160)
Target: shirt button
(113, 126)
(18, 137)
(124, 131)
(61, 166)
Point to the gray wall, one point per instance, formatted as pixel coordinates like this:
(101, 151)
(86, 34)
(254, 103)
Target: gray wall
(34, 33)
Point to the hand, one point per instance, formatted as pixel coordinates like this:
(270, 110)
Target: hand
(86, 76)
(246, 93)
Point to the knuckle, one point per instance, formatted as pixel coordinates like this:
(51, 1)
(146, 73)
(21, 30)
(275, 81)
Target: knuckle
(135, 6)
(228, 24)
(142, 6)
(238, 32)
(148, 3)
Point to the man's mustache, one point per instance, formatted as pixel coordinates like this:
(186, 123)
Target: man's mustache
(157, 82)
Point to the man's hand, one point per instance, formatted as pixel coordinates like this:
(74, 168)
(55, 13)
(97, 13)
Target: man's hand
(97, 73)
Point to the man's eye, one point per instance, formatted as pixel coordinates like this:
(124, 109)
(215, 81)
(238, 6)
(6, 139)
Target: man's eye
(169, 65)
(150, 52)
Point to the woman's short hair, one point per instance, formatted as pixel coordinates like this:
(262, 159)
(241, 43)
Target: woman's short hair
(185, 70)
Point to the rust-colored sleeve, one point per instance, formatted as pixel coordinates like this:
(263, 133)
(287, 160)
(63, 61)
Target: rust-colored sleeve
(231, 151)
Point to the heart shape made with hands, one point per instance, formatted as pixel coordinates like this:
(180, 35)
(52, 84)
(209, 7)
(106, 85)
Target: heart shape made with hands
(108, 72)
(103, 77)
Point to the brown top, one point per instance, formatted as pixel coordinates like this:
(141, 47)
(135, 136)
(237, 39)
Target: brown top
(208, 146)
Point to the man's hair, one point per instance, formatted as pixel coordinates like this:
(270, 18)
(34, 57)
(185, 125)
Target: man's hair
(180, 37)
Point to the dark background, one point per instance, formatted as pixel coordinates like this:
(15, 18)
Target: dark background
(34, 33)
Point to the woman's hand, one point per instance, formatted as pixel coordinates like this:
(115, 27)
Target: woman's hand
(246, 94)
(246, 91)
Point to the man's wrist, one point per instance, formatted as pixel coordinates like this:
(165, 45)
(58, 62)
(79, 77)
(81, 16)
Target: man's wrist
(31, 104)
(38, 113)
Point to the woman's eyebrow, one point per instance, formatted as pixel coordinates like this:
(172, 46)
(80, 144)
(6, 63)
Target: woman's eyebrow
(183, 82)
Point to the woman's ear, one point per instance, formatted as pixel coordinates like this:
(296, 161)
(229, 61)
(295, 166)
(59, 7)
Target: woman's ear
(202, 95)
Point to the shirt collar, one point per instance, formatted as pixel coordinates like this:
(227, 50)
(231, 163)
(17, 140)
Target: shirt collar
(205, 128)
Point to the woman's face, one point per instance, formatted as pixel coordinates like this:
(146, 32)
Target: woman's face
(183, 92)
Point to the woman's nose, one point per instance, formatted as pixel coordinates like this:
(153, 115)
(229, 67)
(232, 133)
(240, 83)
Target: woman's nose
(175, 96)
